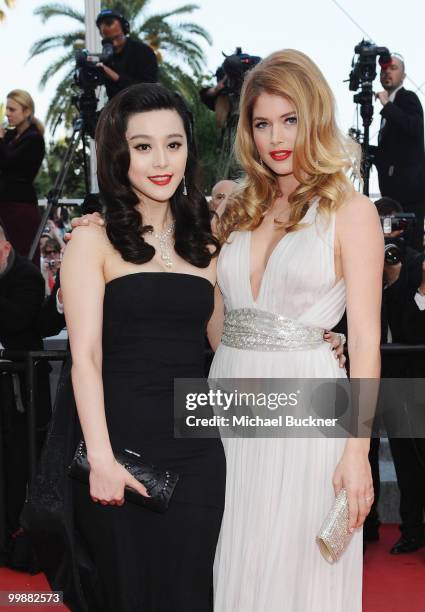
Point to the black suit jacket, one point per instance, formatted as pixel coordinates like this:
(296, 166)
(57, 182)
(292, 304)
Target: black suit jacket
(20, 160)
(21, 296)
(406, 321)
(136, 63)
(400, 155)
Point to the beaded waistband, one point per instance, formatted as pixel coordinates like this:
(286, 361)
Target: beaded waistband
(259, 330)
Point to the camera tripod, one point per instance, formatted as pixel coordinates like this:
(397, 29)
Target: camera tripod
(83, 126)
(362, 75)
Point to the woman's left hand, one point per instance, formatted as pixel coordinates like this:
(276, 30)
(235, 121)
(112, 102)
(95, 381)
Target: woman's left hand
(353, 473)
(337, 345)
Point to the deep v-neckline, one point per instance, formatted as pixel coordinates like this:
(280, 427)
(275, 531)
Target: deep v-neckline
(281, 241)
(275, 248)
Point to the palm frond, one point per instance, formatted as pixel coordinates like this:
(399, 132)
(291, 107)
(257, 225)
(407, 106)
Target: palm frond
(174, 77)
(196, 30)
(187, 8)
(52, 42)
(47, 11)
(54, 68)
(130, 8)
(177, 46)
(61, 107)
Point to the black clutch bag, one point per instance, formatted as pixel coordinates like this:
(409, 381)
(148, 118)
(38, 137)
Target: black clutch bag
(159, 484)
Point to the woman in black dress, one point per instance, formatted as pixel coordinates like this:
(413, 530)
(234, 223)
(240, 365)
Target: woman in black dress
(21, 153)
(137, 294)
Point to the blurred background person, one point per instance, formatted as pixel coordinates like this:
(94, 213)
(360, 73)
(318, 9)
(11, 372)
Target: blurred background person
(223, 99)
(220, 195)
(21, 297)
(51, 258)
(22, 151)
(55, 231)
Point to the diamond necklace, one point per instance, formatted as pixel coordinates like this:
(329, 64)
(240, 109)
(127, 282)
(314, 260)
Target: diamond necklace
(164, 245)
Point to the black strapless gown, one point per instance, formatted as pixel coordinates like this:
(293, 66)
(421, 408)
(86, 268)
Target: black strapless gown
(128, 558)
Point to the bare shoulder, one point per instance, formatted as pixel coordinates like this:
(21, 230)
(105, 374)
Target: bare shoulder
(357, 205)
(356, 214)
(88, 247)
(90, 235)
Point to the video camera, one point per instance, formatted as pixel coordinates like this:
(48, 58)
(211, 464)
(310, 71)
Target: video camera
(234, 69)
(87, 74)
(395, 247)
(362, 75)
(363, 71)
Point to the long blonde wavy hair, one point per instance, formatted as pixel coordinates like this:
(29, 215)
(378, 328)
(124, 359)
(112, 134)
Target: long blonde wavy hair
(322, 156)
(22, 97)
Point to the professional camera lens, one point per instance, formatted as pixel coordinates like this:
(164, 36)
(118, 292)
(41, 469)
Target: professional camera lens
(392, 254)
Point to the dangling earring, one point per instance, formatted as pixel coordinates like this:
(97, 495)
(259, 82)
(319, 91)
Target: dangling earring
(184, 186)
(261, 162)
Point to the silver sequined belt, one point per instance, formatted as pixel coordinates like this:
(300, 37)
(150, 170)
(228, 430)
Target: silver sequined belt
(259, 330)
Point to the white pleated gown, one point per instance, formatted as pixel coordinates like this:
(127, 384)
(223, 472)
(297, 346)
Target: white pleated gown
(279, 490)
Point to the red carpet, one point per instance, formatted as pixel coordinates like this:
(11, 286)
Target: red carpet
(391, 583)
(19, 581)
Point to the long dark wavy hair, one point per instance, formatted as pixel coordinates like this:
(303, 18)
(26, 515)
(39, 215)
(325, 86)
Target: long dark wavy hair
(124, 223)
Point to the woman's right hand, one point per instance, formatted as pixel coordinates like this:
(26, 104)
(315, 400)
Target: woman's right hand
(108, 481)
(84, 220)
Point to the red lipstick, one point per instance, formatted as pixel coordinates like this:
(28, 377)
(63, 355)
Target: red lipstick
(280, 155)
(161, 179)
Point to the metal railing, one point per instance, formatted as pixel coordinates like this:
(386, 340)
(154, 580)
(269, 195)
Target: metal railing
(26, 362)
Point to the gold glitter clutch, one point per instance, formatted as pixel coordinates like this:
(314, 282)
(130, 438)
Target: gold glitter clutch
(334, 536)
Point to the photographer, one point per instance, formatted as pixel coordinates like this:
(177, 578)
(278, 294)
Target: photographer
(223, 99)
(132, 61)
(50, 263)
(216, 98)
(400, 155)
(403, 321)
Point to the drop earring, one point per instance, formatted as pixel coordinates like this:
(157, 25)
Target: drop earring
(184, 186)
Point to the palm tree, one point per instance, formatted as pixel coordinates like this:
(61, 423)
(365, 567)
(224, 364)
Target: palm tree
(176, 45)
(9, 4)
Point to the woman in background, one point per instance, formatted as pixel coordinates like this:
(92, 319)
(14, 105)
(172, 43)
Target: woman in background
(21, 154)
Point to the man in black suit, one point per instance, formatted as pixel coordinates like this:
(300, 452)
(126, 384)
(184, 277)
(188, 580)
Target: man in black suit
(21, 296)
(400, 154)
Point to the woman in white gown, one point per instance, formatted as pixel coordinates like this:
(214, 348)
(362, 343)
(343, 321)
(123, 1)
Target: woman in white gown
(279, 490)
